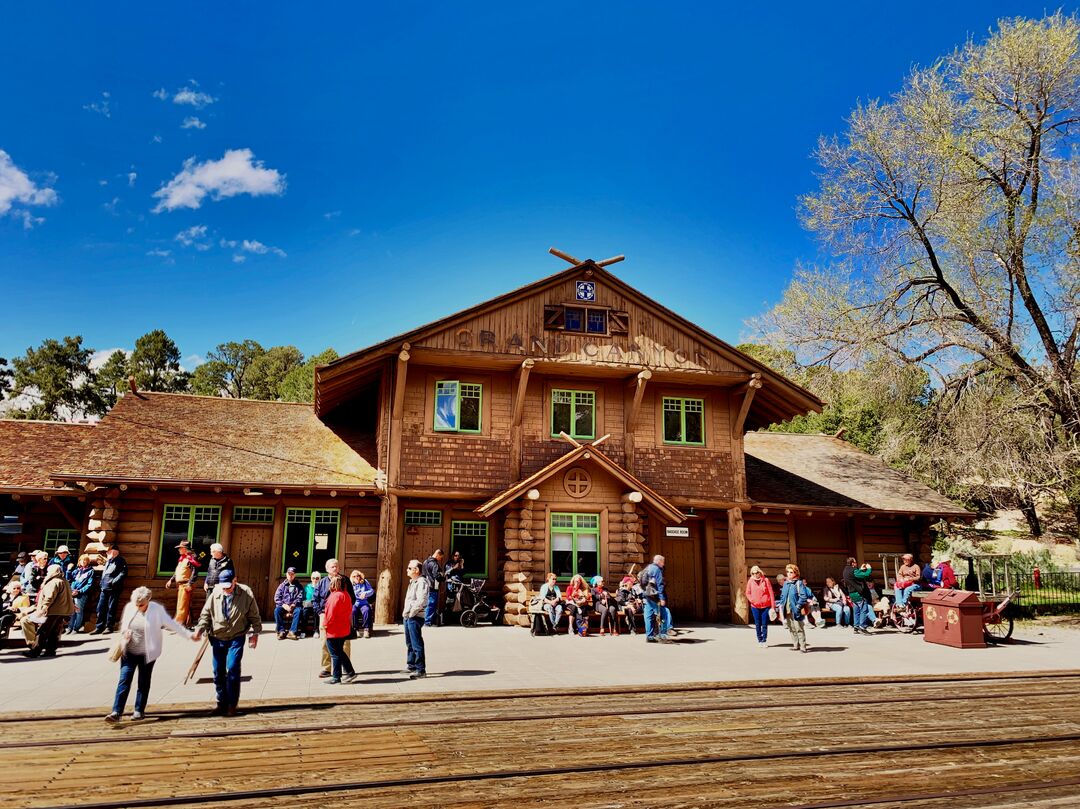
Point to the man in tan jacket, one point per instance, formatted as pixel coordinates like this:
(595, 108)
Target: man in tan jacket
(229, 613)
(42, 627)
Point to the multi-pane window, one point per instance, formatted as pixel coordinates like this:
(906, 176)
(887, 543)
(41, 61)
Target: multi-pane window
(573, 412)
(199, 525)
(311, 537)
(684, 421)
(470, 539)
(575, 545)
(253, 514)
(585, 320)
(55, 537)
(416, 516)
(457, 406)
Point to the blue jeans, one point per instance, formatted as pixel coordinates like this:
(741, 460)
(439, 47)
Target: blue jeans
(842, 613)
(338, 658)
(227, 657)
(655, 619)
(862, 614)
(904, 593)
(432, 607)
(761, 622)
(129, 664)
(79, 617)
(362, 616)
(106, 608)
(554, 613)
(280, 618)
(414, 645)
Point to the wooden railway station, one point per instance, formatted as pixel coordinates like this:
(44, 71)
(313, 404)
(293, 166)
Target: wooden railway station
(986, 741)
(573, 425)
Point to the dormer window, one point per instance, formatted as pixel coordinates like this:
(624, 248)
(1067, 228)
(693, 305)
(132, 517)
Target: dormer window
(575, 319)
(585, 320)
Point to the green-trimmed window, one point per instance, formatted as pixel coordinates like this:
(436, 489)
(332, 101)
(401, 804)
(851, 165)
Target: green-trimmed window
(253, 514)
(575, 544)
(684, 421)
(199, 525)
(311, 537)
(574, 413)
(55, 537)
(458, 406)
(470, 539)
(417, 516)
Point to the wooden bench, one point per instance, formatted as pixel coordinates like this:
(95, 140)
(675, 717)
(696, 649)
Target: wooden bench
(538, 613)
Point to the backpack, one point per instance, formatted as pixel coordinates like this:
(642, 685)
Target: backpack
(647, 583)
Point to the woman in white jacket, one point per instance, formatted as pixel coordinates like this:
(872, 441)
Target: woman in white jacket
(141, 625)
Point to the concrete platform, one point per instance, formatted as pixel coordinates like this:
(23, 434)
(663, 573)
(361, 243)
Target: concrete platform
(81, 676)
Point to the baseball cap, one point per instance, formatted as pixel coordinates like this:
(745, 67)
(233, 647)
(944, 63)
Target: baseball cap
(291, 570)
(226, 577)
(63, 549)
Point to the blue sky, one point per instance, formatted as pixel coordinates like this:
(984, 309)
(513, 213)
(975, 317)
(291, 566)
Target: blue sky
(334, 175)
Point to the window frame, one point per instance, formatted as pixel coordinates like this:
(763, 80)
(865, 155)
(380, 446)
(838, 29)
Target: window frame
(190, 532)
(423, 518)
(574, 531)
(469, 570)
(458, 396)
(312, 522)
(52, 537)
(586, 311)
(573, 404)
(682, 400)
(246, 515)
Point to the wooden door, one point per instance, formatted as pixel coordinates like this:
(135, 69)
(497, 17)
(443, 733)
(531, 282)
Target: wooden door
(250, 551)
(682, 572)
(419, 542)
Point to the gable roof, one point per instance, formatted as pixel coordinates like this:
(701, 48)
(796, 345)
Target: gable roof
(778, 400)
(822, 471)
(31, 450)
(585, 452)
(173, 438)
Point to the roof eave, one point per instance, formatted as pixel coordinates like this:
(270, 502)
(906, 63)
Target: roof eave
(112, 480)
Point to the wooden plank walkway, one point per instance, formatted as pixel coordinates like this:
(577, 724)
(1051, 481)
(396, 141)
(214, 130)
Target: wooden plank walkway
(984, 740)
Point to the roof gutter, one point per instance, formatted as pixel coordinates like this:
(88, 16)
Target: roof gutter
(91, 482)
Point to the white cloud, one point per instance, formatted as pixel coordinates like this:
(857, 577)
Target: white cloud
(194, 236)
(331, 215)
(17, 188)
(355, 232)
(191, 122)
(161, 93)
(100, 107)
(239, 259)
(131, 177)
(235, 173)
(156, 139)
(159, 253)
(110, 206)
(261, 249)
(191, 362)
(99, 358)
(194, 98)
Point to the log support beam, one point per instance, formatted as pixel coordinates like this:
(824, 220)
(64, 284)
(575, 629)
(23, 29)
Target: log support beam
(67, 515)
(637, 385)
(740, 608)
(752, 387)
(517, 430)
(387, 590)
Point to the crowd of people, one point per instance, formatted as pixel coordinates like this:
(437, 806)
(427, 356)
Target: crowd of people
(852, 601)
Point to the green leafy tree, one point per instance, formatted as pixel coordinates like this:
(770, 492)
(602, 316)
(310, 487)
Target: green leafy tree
(299, 384)
(112, 377)
(268, 371)
(56, 377)
(226, 371)
(155, 364)
(952, 211)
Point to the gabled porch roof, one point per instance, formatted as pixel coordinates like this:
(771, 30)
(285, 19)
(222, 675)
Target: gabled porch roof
(589, 453)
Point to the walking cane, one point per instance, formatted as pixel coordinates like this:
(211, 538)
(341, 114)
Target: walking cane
(198, 659)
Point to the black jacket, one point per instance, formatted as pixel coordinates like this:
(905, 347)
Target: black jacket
(215, 567)
(112, 577)
(432, 571)
(853, 585)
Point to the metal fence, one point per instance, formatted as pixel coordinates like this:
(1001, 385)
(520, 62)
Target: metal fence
(1047, 592)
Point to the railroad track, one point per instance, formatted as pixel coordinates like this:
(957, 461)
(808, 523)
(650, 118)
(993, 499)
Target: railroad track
(866, 742)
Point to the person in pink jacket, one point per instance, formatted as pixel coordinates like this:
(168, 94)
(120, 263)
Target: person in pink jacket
(759, 592)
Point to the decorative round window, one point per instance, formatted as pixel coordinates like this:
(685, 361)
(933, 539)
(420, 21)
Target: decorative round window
(577, 482)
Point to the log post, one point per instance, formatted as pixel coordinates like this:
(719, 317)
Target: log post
(740, 610)
(712, 608)
(637, 384)
(387, 591)
(516, 428)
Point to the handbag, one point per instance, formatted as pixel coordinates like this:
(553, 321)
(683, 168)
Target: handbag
(772, 613)
(116, 651)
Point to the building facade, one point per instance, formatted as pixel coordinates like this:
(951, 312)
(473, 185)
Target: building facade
(573, 425)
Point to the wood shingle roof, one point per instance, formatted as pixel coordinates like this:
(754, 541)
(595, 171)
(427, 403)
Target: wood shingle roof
(821, 471)
(31, 450)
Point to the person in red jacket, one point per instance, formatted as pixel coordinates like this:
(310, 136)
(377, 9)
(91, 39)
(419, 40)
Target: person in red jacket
(759, 592)
(337, 617)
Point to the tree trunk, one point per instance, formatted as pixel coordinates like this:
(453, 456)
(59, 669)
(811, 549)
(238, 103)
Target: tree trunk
(1027, 508)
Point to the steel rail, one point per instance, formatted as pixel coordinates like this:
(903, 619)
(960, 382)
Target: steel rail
(506, 775)
(600, 691)
(496, 718)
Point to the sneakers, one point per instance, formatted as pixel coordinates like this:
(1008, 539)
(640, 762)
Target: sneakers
(291, 636)
(323, 675)
(348, 678)
(113, 718)
(651, 640)
(418, 675)
(332, 681)
(281, 636)
(367, 633)
(137, 716)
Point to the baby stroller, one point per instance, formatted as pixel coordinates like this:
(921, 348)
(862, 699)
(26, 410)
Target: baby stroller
(472, 605)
